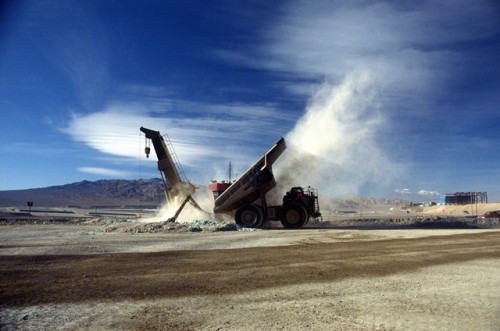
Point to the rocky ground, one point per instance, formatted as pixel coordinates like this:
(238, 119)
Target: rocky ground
(421, 273)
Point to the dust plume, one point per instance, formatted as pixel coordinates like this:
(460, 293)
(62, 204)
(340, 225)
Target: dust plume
(333, 147)
(203, 198)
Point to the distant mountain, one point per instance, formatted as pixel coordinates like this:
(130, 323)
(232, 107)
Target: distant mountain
(107, 193)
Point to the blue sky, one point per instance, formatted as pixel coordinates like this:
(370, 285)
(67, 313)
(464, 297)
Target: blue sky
(387, 99)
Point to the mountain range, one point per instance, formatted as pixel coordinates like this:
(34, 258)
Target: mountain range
(101, 193)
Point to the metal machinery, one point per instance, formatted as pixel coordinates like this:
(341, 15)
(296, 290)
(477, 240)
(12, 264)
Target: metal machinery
(465, 198)
(247, 196)
(178, 190)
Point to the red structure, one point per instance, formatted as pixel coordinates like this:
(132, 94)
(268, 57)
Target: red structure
(218, 188)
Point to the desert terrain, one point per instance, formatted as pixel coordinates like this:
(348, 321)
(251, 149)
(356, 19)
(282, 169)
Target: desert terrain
(432, 269)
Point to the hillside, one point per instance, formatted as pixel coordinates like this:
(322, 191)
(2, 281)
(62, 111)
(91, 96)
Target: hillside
(110, 193)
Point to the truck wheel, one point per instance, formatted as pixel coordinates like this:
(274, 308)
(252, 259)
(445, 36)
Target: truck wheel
(293, 216)
(249, 216)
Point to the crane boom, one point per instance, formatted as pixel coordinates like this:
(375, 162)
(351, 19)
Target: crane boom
(175, 185)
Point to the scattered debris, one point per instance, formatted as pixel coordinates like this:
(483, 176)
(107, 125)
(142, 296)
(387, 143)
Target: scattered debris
(174, 227)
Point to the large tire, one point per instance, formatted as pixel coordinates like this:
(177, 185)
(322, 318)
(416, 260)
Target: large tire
(293, 216)
(249, 216)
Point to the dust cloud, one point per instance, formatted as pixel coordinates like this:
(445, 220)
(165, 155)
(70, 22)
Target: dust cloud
(189, 213)
(333, 147)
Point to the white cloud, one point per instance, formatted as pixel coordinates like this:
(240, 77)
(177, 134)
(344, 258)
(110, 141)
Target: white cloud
(330, 37)
(404, 191)
(405, 45)
(428, 193)
(104, 172)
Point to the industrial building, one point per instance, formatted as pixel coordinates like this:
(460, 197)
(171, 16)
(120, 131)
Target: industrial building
(463, 198)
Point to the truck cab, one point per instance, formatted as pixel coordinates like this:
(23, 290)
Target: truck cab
(298, 206)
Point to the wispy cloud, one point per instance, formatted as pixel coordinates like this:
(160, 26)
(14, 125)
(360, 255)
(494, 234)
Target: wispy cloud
(403, 191)
(413, 50)
(428, 193)
(81, 53)
(331, 37)
(107, 172)
(421, 193)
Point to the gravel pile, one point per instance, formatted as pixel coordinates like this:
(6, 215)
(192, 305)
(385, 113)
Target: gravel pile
(169, 227)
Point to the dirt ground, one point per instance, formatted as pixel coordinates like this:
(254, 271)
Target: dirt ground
(85, 276)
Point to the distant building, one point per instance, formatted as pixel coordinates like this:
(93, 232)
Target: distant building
(463, 198)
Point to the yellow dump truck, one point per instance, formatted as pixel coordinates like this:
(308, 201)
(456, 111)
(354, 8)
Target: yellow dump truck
(246, 197)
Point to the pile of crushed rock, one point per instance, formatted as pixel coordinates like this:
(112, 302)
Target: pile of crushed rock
(173, 227)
